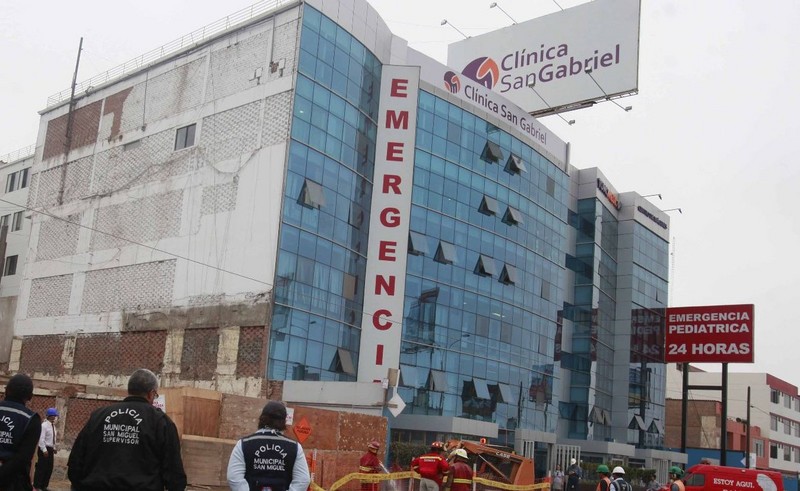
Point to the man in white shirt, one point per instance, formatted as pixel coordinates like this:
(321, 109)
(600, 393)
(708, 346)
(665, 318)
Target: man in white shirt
(46, 451)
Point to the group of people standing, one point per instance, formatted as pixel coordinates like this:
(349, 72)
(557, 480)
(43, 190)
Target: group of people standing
(132, 445)
(613, 480)
(129, 445)
(437, 471)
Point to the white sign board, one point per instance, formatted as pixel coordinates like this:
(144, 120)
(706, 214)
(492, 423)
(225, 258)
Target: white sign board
(537, 134)
(387, 253)
(553, 54)
(160, 402)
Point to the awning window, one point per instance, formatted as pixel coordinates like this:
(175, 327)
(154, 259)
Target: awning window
(481, 389)
(311, 195)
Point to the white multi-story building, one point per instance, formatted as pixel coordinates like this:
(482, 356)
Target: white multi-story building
(774, 407)
(14, 177)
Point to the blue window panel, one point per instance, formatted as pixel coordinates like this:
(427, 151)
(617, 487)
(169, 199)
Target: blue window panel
(341, 61)
(308, 64)
(305, 87)
(290, 239)
(309, 40)
(319, 117)
(300, 130)
(324, 73)
(327, 29)
(302, 108)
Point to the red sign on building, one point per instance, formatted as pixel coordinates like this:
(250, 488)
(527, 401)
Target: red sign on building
(710, 334)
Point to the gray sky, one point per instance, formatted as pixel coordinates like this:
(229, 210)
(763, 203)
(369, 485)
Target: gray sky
(711, 128)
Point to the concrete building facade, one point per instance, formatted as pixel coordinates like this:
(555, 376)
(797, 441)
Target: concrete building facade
(775, 410)
(15, 169)
(301, 200)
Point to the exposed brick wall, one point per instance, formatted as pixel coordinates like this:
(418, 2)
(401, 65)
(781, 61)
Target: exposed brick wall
(84, 130)
(199, 355)
(50, 296)
(114, 104)
(250, 358)
(78, 414)
(175, 91)
(703, 425)
(42, 354)
(119, 353)
(285, 47)
(232, 68)
(41, 403)
(219, 198)
(136, 287)
(125, 220)
(276, 118)
(58, 238)
(231, 133)
(148, 159)
(76, 176)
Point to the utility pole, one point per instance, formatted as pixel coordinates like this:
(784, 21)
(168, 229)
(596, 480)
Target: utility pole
(747, 436)
(70, 122)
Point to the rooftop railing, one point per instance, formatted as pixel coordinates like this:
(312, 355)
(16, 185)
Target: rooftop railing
(191, 39)
(17, 154)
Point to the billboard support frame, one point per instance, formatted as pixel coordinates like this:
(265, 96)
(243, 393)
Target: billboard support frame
(723, 440)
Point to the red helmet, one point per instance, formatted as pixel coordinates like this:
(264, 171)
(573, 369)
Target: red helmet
(437, 446)
(374, 444)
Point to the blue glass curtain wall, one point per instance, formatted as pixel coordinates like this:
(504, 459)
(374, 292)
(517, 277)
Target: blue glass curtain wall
(323, 238)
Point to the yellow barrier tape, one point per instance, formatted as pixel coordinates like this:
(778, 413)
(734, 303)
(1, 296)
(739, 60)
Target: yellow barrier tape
(511, 487)
(370, 478)
(374, 478)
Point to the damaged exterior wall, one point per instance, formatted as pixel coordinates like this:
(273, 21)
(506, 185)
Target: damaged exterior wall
(187, 350)
(162, 192)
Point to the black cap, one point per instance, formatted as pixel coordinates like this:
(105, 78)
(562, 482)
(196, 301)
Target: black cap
(275, 410)
(19, 388)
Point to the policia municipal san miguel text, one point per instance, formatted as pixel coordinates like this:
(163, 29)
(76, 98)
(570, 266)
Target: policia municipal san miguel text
(128, 446)
(267, 460)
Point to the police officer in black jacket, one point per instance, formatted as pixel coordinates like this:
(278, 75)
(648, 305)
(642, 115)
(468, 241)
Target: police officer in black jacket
(128, 446)
(19, 434)
(267, 460)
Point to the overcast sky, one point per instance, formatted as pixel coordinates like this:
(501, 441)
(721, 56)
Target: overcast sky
(711, 129)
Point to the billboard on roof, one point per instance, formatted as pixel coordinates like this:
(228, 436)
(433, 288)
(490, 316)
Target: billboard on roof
(561, 61)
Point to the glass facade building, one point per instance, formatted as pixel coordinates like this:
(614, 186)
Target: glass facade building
(523, 302)
(529, 296)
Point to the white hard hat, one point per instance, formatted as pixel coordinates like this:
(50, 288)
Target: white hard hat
(618, 470)
(460, 452)
(572, 461)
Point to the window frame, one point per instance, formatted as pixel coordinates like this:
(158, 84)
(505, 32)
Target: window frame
(10, 265)
(182, 140)
(16, 221)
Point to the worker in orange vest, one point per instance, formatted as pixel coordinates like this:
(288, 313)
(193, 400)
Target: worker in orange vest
(605, 481)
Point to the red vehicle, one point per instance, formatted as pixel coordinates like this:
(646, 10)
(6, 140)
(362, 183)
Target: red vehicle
(703, 477)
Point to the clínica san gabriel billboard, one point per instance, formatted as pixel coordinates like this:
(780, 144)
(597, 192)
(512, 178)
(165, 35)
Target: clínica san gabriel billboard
(553, 54)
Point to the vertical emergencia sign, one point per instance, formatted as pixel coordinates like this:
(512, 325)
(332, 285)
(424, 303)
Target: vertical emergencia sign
(384, 286)
(709, 334)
